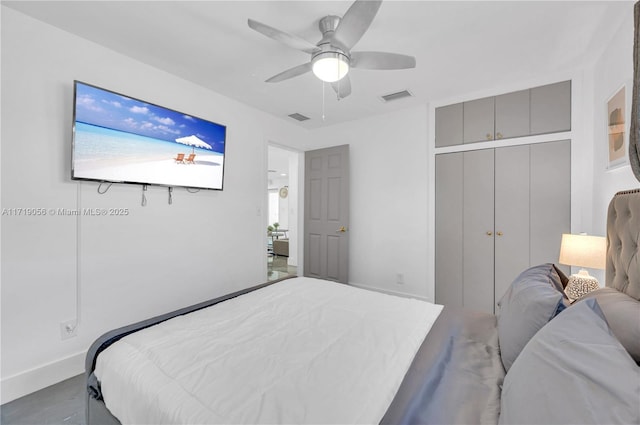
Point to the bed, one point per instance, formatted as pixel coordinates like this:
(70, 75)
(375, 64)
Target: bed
(302, 350)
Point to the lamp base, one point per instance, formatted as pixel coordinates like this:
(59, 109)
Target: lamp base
(580, 284)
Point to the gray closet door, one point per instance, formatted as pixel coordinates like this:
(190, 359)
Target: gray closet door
(478, 247)
(511, 215)
(498, 212)
(449, 125)
(479, 120)
(449, 208)
(551, 108)
(512, 115)
(550, 200)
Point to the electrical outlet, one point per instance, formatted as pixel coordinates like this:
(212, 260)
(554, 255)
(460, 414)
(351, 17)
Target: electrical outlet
(400, 278)
(68, 329)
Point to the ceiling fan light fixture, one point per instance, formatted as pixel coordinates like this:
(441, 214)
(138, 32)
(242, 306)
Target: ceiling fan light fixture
(330, 66)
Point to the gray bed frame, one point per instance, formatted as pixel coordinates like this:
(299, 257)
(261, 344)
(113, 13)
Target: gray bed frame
(420, 385)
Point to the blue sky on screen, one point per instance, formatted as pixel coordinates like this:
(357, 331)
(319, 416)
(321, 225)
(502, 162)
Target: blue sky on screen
(111, 110)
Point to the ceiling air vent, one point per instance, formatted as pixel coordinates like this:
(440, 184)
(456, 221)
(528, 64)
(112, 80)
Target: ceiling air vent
(298, 117)
(395, 96)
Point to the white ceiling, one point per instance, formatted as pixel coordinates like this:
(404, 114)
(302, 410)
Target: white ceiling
(460, 47)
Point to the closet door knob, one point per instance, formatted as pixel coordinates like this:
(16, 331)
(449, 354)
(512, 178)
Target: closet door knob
(489, 233)
(499, 233)
(499, 135)
(489, 136)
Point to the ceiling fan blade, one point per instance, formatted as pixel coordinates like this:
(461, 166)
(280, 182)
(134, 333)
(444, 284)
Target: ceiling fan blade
(285, 38)
(381, 60)
(342, 87)
(355, 23)
(290, 73)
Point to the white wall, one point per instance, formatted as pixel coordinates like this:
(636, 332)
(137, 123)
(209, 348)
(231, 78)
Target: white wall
(388, 205)
(392, 175)
(160, 257)
(610, 71)
(122, 269)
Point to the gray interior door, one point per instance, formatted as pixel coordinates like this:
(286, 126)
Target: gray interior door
(326, 214)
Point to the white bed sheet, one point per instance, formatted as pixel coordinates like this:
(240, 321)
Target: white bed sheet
(299, 351)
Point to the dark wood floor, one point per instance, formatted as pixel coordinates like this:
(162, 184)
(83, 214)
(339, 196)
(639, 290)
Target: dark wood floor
(59, 404)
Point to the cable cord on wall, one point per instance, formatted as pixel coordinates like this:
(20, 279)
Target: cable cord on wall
(144, 196)
(102, 192)
(170, 195)
(78, 255)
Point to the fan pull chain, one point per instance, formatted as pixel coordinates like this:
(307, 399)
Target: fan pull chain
(323, 84)
(144, 197)
(339, 81)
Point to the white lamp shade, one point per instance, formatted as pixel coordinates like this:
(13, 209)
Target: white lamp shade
(330, 66)
(583, 251)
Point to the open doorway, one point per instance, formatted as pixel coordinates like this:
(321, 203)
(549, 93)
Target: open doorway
(282, 225)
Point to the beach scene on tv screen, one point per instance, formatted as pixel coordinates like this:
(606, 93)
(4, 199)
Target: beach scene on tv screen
(121, 139)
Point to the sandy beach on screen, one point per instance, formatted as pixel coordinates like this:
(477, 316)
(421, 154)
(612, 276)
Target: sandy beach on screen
(205, 172)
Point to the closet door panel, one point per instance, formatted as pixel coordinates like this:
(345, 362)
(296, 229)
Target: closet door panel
(512, 114)
(551, 108)
(478, 245)
(511, 215)
(479, 120)
(449, 207)
(550, 199)
(449, 125)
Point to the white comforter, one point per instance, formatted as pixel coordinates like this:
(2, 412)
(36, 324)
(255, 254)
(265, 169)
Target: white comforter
(299, 351)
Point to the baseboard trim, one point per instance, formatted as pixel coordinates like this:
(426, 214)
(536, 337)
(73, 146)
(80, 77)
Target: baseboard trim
(21, 384)
(390, 292)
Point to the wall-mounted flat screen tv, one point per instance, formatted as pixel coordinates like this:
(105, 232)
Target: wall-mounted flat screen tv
(117, 138)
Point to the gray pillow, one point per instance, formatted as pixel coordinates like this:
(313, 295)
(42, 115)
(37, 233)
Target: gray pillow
(574, 371)
(564, 280)
(534, 298)
(623, 316)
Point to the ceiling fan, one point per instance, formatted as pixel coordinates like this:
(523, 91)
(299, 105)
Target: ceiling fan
(332, 57)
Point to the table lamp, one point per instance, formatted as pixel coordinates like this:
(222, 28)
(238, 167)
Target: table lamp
(582, 251)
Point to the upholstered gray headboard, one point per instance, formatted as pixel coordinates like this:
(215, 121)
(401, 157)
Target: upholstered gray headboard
(623, 240)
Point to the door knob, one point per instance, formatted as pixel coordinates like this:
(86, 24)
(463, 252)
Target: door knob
(499, 233)
(489, 233)
(342, 229)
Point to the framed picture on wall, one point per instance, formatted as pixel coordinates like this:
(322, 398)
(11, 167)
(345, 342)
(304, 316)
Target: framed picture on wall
(617, 132)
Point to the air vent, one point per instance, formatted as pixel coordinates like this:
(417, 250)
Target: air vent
(395, 96)
(298, 117)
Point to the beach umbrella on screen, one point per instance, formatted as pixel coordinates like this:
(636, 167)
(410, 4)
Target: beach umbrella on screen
(194, 142)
